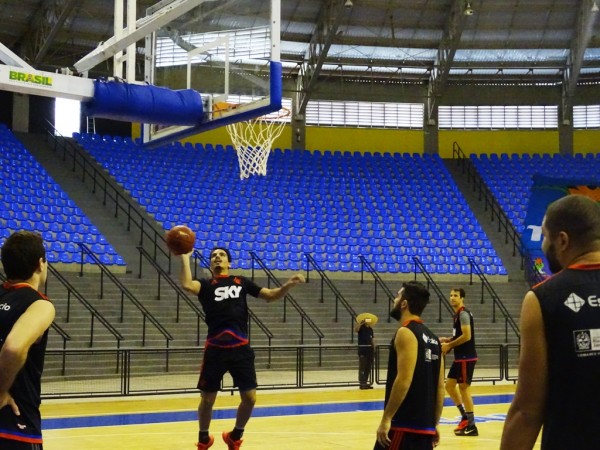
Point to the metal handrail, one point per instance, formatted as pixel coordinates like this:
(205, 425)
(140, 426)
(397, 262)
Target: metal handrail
(338, 295)
(87, 305)
(178, 290)
(304, 317)
(124, 293)
(378, 282)
(125, 381)
(442, 300)
(496, 302)
(533, 276)
(111, 190)
(56, 327)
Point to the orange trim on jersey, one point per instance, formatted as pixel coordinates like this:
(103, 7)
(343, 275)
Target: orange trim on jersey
(595, 266)
(405, 324)
(466, 360)
(16, 437)
(396, 441)
(413, 430)
(235, 340)
(12, 286)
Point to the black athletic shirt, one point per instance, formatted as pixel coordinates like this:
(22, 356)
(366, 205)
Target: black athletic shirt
(417, 412)
(466, 351)
(14, 301)
(570, 303)
(223, 300)
(365, 339)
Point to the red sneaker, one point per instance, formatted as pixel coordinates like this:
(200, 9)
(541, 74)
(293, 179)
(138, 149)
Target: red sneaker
(211, 441)
(231, 444)
(462, 425)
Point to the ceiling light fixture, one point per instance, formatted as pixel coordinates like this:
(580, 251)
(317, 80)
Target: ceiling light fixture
(348, 4)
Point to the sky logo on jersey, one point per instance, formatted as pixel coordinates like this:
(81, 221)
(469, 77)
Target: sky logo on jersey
(226, 292)
(4, 307)
(574, 302)
(429, 340)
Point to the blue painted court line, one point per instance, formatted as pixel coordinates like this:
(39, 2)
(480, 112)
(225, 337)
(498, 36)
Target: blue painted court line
(229, 413)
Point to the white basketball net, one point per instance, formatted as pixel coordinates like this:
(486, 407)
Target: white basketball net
(253, 140)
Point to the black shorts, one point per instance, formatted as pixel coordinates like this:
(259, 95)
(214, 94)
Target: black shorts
(9, 444)
(462, 371)
(402, 440)
(238, 361)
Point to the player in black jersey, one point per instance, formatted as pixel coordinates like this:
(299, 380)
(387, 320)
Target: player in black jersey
(25, 316)
(227, 349)
(460, 375)
(559, 365)
(414, 393)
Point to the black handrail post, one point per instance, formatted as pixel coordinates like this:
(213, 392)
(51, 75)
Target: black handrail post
(322, 299)
(68, 306)
(122, 307)
(144, 331)
(482, 299)
(375, 300)
(307, 268)
(101, 283)
(362, 270)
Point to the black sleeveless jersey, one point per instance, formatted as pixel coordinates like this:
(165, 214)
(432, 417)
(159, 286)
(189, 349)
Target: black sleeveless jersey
(570, 304)
(26, 389)
(417, 412)
(223, 300)
(466, 351)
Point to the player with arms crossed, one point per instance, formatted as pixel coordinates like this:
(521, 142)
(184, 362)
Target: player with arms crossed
(25, 316)
(559, 364)
(227, 348)
(414, 391)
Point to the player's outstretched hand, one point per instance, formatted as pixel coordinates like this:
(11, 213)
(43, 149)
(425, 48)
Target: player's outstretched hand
(296, 279)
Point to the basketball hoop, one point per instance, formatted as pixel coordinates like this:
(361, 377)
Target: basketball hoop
(253, 140)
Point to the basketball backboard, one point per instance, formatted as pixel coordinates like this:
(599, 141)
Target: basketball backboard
(228, 50)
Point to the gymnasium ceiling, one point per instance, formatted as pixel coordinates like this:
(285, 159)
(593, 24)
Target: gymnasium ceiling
(501, 41)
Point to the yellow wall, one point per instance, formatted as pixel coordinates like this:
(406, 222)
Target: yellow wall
(328, 138)
(364, 139)
(586, 141)
(386, 140)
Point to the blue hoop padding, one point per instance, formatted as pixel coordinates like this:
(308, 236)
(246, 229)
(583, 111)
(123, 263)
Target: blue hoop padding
(275, 98)
(144, 103)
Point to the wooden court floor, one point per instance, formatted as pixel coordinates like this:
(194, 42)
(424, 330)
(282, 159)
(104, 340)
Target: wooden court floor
(283, 420)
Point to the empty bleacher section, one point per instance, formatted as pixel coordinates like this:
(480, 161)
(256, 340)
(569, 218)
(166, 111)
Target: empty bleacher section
(334, 205)
(31, 200)
(510, 177)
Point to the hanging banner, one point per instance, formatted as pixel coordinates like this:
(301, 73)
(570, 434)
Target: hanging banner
(544, 191)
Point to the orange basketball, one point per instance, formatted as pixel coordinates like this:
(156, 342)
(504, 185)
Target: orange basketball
(180, 239)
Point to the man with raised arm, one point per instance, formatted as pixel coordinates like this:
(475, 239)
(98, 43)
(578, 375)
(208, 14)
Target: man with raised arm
(227, 347)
